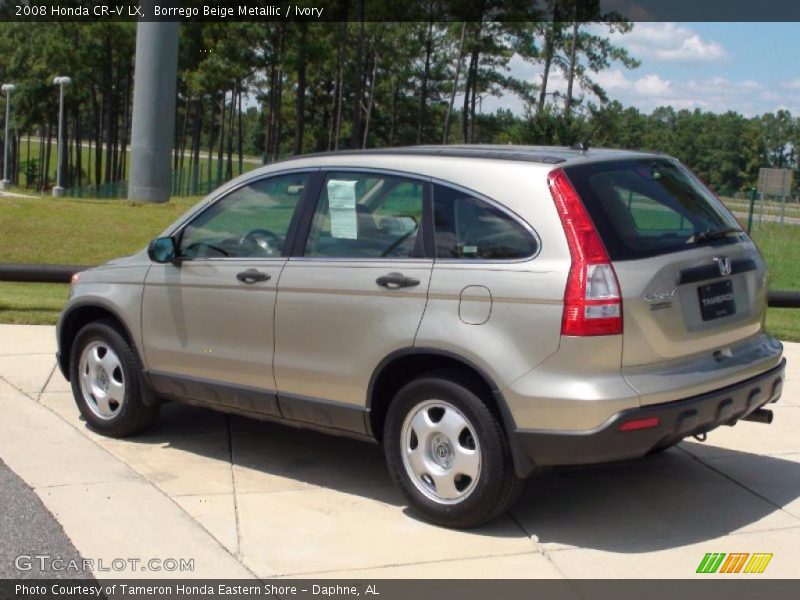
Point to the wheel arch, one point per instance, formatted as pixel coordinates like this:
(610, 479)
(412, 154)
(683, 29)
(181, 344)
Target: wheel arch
(399, 367)
(81, 314)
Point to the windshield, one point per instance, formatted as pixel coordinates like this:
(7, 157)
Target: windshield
(648, 207)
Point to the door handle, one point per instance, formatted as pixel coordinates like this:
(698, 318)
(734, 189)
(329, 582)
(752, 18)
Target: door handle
(396, 280)
(252, 276)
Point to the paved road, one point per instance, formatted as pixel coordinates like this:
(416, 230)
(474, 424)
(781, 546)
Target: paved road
(28, 528)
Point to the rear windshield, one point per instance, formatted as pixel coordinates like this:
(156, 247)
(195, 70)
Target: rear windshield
(648, 207)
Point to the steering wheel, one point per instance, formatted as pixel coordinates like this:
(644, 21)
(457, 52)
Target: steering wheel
(268, 242)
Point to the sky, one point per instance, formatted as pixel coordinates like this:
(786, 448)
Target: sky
(750, 68)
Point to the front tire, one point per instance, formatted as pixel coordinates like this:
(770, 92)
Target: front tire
(105, 375)
(448, 453)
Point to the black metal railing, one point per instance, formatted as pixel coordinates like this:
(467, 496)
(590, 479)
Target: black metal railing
(38, 273)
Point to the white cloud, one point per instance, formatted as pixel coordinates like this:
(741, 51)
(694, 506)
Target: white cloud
(716, 94)
(612, 80)
(648, 90)
(652, 85)
(655, 84)
(669, 42)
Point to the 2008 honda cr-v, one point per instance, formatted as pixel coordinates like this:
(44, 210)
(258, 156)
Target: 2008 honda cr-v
(478, 310)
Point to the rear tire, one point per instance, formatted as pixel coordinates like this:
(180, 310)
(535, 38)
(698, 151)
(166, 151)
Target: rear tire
(448, 453)
(105, 374)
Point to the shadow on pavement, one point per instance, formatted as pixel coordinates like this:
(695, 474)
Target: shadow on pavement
(276, 456)
(658, 502)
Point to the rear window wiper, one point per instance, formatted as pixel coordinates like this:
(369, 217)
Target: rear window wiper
(708, 235)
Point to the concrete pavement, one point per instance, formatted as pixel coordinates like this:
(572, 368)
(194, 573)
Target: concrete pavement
(244, 498)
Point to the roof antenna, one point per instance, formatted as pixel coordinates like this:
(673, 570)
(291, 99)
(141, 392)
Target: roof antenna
(582, 146)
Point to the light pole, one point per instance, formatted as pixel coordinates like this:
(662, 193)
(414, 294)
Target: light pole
(60, 82)
(7, 88)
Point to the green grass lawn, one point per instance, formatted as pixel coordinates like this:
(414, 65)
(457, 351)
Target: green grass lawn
(88, 160)
(780, 245)
(45, 230)
(61, 231)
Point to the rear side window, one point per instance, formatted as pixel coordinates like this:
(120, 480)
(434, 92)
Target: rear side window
(367, 215)
(468, 228)
(648, 207)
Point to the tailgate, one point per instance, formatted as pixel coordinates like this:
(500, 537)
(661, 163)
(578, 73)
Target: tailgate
(681, 304)
(692, 282)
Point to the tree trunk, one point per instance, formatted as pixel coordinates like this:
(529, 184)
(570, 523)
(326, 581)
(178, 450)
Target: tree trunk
(47, 159)
(197, 125)
(543, 90)
(232, 114)
(273, 121)
(211, 133)
(109, 108)
(97, 107)
(276, 141)
(268, 117)
(181, 176)
(68, 157)
(79, 148)
(179, 131)
(455, 84)
(549, 52)
(40, 181)
(423, 94)
(27, 170)
(221, 145)
(393, 119)
(15, 169)
(240, 140)
(473, 103)
(471, 86)
(126, 123)
(359, 78)
(181, 146)
(109, 132)
(373, 80)
(573, 53)
(300, 104)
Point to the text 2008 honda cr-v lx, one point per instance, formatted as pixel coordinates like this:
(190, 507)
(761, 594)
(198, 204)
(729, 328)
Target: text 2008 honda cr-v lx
(479, 311)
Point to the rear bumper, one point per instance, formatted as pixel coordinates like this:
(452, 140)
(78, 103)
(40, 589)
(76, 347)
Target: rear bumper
(676, 420)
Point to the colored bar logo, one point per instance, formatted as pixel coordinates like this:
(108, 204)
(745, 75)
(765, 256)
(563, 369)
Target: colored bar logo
(734, 562)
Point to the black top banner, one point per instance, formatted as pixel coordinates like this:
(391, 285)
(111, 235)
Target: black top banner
(403, 10)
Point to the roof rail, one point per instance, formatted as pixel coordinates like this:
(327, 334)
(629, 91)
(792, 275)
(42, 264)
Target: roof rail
(534, 155)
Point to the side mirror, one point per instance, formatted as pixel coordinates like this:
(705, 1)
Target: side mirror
(163, 250)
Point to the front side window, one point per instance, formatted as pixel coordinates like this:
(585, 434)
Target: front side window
(468, 228)
(250, 222)
(367, 215)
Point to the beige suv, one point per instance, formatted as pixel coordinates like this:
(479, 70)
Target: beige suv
(479, 311)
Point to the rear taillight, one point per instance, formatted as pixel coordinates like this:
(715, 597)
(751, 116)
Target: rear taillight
(592, 302)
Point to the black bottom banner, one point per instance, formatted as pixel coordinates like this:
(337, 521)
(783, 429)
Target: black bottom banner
(388, 589)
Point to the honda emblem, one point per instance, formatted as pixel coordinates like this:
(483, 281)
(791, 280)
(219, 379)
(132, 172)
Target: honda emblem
(724, 264)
